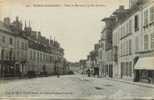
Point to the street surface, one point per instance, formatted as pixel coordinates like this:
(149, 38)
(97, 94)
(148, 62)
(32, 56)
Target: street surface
(73, 86)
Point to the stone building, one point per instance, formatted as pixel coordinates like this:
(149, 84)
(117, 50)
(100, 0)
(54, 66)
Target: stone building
(23, 50)
(44, 55)
(106, 60)
(130, 40)
(123, 43)
(100, 56)
(143, 64)
(127, 41)
(14, 48)
(92, 61)
(83, 66)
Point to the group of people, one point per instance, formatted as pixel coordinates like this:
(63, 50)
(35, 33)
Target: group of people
(91, 72)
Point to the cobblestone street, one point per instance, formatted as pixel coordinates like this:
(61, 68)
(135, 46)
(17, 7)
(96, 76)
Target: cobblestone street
(73, 86)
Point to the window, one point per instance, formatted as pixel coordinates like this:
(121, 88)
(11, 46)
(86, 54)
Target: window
(152, 41)
(50, 59)
(130, 47)
(122, 69)
(44, 57)
(152, 14)
(136, 23)
(146, 38)
(146, 18)
(38, 56)
(17, 54)
(118, 36)
(124, 48)
(11, 54)
(11, 41)
(31, 56)
(127, 28)
(122, 32)
(25, 45)
(130, 26)
(7, 56)
(127, 47)
(34, 55)
(121, 49)
(17, 43)
(103, 46)
(3, 39)
(137, 43)
(22, 45)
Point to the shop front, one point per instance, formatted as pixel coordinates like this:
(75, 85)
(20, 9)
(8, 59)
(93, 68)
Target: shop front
(144, 70)
(96, 71)
(8, 69)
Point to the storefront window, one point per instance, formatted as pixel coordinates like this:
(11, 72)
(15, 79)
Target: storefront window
(144, 74)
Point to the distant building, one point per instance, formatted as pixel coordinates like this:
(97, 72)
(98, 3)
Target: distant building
(107, 33)
(75, 67)
(83, 66)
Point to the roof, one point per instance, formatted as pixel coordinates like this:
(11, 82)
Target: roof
(4, 28)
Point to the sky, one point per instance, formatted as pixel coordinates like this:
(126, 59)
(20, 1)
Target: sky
(76, 28)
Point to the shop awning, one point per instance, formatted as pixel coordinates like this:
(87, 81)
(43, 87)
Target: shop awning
(146, 63)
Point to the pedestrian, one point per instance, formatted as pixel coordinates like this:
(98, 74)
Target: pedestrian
(88, 72)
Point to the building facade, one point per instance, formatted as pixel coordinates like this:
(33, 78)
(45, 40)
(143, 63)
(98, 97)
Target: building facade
(105, 49)
(13, 50)
(23, 50)
(128, 42)
(144, 65)
(131, 41)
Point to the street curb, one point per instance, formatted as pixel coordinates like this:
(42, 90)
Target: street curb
(133, 83)
(130, 82)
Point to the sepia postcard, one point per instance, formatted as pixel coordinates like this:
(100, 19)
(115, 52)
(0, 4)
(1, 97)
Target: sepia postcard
(77, 49)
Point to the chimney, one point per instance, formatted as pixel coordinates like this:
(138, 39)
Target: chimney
(121, 7)
(17, 18)
(7, 21)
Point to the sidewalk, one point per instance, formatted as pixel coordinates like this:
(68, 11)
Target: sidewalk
(148, 85)
(10, 79)
(133, 83)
